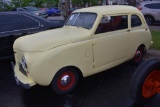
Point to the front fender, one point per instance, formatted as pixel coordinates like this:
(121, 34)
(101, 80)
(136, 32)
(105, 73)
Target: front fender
(50, 62)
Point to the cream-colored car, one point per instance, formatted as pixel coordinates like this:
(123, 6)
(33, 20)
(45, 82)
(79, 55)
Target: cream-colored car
(92, 40)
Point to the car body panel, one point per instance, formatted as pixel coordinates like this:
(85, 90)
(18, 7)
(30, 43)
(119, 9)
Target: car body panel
(120, 48)
(63, 36)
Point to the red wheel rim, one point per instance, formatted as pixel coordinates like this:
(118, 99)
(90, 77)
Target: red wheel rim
(66, 80)
(151, 84)
(138, 56)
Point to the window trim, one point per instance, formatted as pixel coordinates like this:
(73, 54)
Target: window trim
(142, 21)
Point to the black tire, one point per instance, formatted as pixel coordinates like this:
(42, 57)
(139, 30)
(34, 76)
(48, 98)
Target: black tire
(149, 20)
(68, 74)
(139, 79)
(138, 55)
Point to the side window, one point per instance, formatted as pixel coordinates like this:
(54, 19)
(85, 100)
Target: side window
(10, 25)
(148, 5)
(157, 6)
(33, 23)
(135, 21)
(112, 23)
(153, 6)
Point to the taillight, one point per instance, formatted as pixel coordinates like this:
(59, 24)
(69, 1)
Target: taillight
(139, 8)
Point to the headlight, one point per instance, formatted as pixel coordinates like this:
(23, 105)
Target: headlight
(24, 64)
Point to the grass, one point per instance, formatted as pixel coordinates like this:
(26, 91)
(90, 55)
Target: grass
(156, 40)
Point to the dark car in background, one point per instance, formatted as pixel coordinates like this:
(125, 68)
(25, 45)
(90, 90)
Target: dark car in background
(16, 24)
(32, 10)
(53, 12)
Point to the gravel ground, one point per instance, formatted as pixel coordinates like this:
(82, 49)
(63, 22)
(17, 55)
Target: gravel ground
(152, 54)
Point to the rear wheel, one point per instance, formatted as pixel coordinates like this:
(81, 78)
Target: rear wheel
(145, 83)
(138, 55)
(65, 80)
(149, 20)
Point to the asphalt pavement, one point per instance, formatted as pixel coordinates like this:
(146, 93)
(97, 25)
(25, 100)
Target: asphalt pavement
(109, 88)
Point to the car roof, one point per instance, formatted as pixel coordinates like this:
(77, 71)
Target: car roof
(110, 9)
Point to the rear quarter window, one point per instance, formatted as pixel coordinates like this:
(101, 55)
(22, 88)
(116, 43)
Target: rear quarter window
(32, 23)
(135, 21)
(11, 22)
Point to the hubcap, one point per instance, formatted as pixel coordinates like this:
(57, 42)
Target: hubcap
(151, 85)
(66, 80)
(149, 20)
(138, 56)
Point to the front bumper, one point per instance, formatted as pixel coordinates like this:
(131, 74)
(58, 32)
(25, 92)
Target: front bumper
(21, 79)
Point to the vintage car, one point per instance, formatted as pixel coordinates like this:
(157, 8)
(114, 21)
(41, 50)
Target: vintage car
(93, 39)
(145, 83)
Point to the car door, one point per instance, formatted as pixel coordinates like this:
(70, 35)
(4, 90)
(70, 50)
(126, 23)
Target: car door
(111, 40)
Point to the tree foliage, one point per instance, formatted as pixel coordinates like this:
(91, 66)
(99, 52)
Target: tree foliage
(93, 2)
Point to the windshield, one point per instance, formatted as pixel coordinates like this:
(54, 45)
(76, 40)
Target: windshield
(31, 9)
(85, 20)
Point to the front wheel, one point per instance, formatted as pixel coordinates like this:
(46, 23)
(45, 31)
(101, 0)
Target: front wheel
(145, 83)
(65, 80)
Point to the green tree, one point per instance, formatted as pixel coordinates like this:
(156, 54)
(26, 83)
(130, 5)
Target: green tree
(93, 2)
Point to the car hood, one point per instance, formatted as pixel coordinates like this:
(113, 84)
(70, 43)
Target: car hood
(47, 40)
